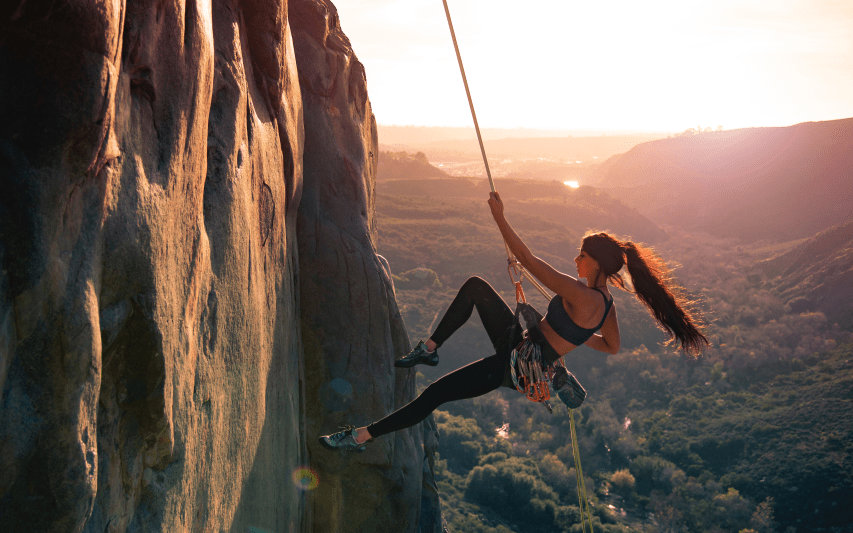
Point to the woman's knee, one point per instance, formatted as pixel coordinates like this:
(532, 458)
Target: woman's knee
(476, 284)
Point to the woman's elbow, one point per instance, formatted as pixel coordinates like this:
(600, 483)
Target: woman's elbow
(526, 258)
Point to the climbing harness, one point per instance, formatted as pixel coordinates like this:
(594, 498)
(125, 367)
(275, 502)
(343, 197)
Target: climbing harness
(530, 373)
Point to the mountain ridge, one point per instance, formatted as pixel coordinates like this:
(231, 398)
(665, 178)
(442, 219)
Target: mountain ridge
(753, 184)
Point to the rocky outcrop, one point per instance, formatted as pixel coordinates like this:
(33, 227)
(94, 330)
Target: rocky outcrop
(151, 170)
(351, 326)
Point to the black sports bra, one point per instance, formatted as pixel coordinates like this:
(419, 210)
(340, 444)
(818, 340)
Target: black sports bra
(565, 327)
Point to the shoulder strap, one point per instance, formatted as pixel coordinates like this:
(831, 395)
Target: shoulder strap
(603, 295)
(608, 303)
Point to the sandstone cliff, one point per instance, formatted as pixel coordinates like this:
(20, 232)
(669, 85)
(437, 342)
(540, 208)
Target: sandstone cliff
(151, 355)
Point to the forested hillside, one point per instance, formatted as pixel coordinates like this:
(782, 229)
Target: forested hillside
(816, 275)
(754, 436)
(575, 210)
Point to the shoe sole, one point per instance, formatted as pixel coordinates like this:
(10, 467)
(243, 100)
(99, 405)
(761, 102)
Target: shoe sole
(400, 363)
(330, 447)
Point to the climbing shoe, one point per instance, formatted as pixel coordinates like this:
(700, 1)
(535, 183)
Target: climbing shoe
(344, 440)
(418, 356)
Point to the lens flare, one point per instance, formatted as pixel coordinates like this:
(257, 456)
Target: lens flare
(305, 478)
(336, 395)
(341, 386)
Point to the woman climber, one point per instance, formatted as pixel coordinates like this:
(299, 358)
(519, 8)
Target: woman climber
(574, 316)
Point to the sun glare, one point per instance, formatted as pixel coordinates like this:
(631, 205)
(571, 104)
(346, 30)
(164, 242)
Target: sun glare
(572, 184)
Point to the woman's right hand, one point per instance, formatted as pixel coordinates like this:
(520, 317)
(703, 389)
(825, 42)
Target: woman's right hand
(496, 205)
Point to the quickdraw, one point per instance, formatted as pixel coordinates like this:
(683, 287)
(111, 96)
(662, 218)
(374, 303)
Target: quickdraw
(529, 374)
(535, 378)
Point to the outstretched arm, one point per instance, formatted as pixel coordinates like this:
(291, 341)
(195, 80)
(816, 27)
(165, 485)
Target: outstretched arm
(563, 284)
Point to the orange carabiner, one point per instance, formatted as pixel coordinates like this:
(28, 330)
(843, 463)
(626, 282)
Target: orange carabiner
(519, 293)
(544, 391)
(538, 391)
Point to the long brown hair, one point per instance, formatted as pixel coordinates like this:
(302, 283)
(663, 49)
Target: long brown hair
(653, 285)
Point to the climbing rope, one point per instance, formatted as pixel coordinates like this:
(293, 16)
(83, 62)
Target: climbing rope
(583, 501)
(468, 92)
(513, 264)
(533, 382)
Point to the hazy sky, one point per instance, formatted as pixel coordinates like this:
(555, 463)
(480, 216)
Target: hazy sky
(662, 65)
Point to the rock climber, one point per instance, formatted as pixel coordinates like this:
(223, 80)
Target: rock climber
(579, 313)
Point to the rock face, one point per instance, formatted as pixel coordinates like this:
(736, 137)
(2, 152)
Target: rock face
(352, 328)
(151, 345)
(151, 169)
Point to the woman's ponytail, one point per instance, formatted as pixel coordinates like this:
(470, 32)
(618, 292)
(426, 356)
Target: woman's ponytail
(654, 287)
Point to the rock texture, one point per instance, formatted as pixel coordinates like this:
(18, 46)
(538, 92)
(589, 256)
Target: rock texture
(352, 328)
(151, 350)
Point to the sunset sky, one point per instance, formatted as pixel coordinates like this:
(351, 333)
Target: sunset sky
(656, 65)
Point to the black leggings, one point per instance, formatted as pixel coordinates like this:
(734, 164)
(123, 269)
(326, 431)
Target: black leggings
(472, 380)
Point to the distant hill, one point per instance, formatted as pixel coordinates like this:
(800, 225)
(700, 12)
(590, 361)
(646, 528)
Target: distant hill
(587, 150)
(414, 135)
(457, 238)
(402, 165)
(817, 275)
(752, 184)
(580, 209)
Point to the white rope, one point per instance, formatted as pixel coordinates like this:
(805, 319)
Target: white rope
(468, 92)
(483, 148)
